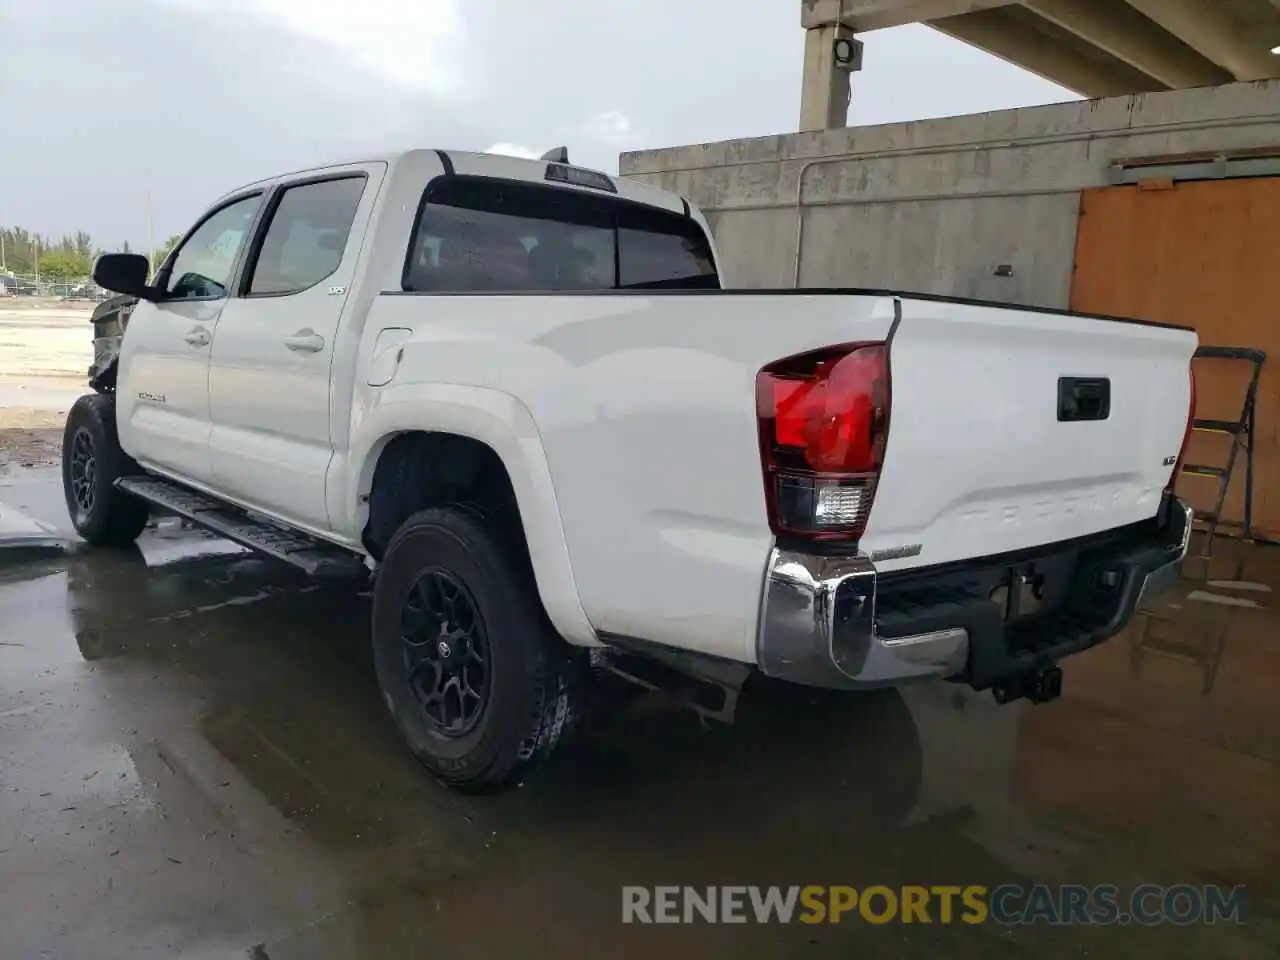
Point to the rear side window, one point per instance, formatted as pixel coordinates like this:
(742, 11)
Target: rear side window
(479, 234)
(306, 236)
(658, 250)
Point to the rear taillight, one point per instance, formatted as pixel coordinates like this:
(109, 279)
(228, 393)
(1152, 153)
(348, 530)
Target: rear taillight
(823, 419)
(1186, 433)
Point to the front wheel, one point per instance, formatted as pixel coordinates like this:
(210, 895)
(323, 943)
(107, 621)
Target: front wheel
(92, 461)
(473, 672)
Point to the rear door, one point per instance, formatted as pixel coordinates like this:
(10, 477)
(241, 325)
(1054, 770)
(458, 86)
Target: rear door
(271, 365)
(163, 398)
(1012, 428)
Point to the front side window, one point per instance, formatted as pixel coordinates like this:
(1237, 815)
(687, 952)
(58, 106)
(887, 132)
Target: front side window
(202, 267)
(307, 235)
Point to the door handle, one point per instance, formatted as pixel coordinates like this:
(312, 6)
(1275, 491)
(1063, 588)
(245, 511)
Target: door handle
(305, 341)
(198, 337)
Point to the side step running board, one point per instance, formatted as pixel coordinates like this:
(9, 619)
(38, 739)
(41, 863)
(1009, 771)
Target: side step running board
(316, 557)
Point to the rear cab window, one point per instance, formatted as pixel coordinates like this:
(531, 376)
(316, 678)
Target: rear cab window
(478, 234)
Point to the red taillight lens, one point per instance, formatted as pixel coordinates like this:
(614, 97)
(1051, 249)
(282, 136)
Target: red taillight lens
(1186, 434)
(823, 420)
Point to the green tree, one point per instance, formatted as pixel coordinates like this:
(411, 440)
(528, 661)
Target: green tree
(23, 251)
(164, 250)
(64, 265)
(19, 250)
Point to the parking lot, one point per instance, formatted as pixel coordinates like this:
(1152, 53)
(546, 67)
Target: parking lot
(194, 762)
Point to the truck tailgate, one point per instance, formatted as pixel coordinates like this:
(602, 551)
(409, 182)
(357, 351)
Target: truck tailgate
(1013, 428)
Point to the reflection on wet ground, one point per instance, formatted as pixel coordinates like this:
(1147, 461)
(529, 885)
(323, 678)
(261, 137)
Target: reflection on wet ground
(194, 762)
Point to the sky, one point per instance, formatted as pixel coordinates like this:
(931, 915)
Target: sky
(106, 103)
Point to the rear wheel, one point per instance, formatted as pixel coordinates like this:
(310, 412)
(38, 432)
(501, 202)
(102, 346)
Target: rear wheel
(474, 674)
(92, 461)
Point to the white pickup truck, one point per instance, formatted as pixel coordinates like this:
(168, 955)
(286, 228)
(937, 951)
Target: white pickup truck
(521, 393)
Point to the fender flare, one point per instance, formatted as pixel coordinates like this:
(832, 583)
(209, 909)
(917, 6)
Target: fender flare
(506, 426)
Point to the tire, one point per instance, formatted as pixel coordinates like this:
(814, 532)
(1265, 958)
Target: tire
(92, 461)
(530, 680)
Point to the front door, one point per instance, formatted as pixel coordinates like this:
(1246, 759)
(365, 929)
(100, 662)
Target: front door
(271, 366)
(162, 404)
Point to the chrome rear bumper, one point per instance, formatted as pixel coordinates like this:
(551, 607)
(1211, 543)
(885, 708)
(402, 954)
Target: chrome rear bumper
(818, 621)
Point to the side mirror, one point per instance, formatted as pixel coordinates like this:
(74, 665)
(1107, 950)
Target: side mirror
(125, 273)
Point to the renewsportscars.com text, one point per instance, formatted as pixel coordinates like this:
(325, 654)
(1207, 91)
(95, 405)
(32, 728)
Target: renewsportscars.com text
(1008, 904)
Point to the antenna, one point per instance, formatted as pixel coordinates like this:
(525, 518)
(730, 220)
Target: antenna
(556, 155)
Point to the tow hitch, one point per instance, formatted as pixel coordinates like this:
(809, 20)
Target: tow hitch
(1039, 686)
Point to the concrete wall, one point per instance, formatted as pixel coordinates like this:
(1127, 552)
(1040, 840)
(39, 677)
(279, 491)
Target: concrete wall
(936, 206)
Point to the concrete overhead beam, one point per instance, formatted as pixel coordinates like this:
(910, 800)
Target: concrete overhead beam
(1206, 26)
(1129, 36)
(1011, 39)
(863, 15)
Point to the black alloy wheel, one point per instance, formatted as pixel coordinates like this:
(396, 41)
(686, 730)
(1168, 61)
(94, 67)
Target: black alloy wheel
(84, 468)
(446, 654)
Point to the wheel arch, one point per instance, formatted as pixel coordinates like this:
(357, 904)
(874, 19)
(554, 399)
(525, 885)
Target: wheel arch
(456, 439)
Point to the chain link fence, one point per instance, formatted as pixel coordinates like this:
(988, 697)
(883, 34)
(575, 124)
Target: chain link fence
(33, 285)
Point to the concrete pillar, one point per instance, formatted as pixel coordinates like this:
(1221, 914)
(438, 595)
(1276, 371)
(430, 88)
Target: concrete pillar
(824, 91)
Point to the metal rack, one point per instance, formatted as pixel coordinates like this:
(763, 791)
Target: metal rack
(1241, 433)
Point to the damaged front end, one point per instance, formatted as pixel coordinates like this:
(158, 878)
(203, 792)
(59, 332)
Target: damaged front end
(109, 319)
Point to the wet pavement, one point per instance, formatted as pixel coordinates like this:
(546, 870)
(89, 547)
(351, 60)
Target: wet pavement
(194, 762)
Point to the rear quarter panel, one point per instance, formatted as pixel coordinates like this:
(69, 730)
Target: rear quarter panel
(645, 408)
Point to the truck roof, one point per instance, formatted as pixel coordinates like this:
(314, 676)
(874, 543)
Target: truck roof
(467, 162)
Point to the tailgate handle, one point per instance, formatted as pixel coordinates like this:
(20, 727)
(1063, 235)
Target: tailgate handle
(1083, 398)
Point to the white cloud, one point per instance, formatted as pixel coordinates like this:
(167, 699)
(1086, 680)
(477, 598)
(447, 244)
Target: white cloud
(407, 42)
(515, 150)
(612, 127)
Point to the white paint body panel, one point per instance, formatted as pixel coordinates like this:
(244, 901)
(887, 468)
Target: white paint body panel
(627, 423)
(976, 461)
(162, 400)
(644, 410)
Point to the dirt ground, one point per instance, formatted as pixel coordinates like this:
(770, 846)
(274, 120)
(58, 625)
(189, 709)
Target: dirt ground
(34, 445)
(46, 347)
(29, 437)
(45, 338)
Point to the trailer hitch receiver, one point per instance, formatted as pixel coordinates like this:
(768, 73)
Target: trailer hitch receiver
(1039, 686)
